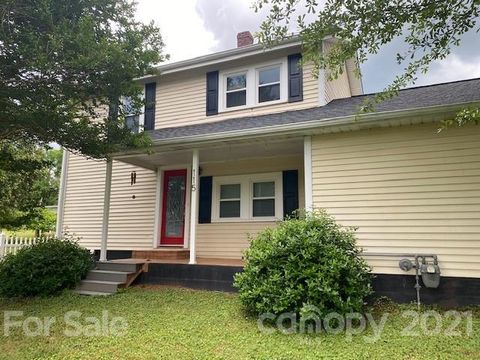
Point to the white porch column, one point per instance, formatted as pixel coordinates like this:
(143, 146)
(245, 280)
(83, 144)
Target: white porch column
(158, 189)
(194, 205)
(106, 210)
(61, 194)
(307, 159)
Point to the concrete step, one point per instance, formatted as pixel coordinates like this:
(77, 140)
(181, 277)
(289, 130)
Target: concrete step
(91, 293)
(109, 275)
(99, 286)
(131, 267)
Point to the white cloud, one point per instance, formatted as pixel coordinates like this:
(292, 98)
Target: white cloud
(196, 27)
(181, 27)
(452, 68)
(226, 18)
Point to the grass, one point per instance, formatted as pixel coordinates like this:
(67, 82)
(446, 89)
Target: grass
(174, 323)
(20, 233)
(25, 233)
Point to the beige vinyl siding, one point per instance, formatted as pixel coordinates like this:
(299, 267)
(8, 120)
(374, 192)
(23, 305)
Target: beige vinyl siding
(407, 189)
(181, 100)
(226, 240)
(131, 220)
(354, 81)
(339, 87)
(229, 240)
(84, 200)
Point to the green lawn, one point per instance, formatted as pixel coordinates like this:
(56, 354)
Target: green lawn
(172, 323)
(26, 233)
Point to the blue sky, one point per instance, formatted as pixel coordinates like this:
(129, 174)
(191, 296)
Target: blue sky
(196, 27)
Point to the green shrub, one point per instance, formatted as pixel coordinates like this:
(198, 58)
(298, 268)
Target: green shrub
(304, 262)
(45, 268)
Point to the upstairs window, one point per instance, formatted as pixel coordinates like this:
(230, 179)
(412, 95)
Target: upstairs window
(236, 93)
(134, 116)
(260, 85)
(268, 84)
(132, 120)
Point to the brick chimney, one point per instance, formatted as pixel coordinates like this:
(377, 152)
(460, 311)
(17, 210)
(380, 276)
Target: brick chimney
(244, 38)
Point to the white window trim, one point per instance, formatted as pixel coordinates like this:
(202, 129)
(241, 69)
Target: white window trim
(252, 85)
(246, 196)
(141, 117)
(283, 81)
(244, 72)
(220, 200)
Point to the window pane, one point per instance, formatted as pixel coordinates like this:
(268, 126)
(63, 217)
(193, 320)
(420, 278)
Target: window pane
(230, 209)
(132, 123)
(268, 76)
(269, 93)
(264, 189)
(175, 206)
(128, 105)
(264, 207)
(230, 191)
(236, 98)
(236, 82)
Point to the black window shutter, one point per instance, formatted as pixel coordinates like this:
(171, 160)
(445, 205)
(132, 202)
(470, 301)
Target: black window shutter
(295, 78)
(212, 93)
(149, 119)
(290, 192)
(205, 200)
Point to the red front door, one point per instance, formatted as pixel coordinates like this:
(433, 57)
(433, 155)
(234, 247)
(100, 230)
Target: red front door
(173, 207)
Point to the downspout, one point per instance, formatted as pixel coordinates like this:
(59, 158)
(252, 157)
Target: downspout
(61, 194)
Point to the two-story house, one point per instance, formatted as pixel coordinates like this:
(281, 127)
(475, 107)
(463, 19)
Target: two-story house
(246, 136)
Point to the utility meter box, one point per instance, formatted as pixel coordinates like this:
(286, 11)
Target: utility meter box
(430, 274)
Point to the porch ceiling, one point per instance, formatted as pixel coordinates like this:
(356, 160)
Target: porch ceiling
(221, 151)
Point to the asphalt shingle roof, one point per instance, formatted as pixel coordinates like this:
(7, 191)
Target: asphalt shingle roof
(412, 98)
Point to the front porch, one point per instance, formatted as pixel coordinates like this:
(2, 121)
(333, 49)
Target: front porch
(165, 256)
(208, 273)
(210, 196)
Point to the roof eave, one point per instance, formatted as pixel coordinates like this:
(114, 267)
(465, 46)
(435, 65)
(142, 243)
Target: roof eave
(222, 56)
(326, 125)
(309, 126)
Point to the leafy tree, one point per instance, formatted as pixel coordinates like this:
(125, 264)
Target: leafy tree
(362, 27)
(51, 180)
(29, 178)
(64, 63)
(44, 221)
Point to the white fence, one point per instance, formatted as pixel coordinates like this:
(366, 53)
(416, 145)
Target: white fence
(11, 244)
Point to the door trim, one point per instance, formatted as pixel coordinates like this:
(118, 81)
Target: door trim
(173, 172)
(159, 202)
